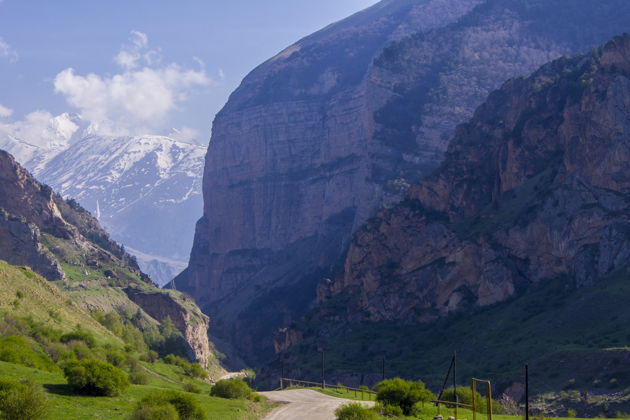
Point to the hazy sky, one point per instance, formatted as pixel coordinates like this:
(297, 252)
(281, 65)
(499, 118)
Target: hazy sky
(131, 66)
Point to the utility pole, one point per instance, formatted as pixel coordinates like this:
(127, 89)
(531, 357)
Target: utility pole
(323, 370)
(455, 397)
(282, 374)
(383, 369)
(526, 392)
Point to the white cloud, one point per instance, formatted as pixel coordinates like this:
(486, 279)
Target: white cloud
(136, 100)
(6, 51)
(137, 53)
(4, 111)
(185, 134)
(42, 129)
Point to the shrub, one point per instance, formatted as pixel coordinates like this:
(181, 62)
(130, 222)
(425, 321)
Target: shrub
(404, 394)
(193, 388)
(158, 412)
(150, 356)
(191, 369)
(139, 378)
(21, 400)
(82, 352)
(390, 411)
(185, 405)
(14, 349)
(195, 370)
(116, 358)
(79, 335)
(355, 411)
(232, 389)
(94, 377)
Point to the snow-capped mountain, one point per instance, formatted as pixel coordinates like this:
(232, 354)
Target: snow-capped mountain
(145, 190)
(34, 143)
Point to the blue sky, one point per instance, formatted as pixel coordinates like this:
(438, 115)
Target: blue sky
(132, 66)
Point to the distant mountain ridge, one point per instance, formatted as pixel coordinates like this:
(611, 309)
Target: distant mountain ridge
(147, 189)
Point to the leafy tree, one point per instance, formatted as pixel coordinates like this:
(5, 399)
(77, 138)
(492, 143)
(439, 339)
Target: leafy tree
(21, 400)
(94, 377)
(185, 405)
(403, 394)
(231, 388)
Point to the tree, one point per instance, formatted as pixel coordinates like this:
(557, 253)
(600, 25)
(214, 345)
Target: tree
(403, 394)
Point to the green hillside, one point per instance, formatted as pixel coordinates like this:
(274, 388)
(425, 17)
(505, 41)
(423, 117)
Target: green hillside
(42, 330)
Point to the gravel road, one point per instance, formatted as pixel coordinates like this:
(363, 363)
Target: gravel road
(304, 404)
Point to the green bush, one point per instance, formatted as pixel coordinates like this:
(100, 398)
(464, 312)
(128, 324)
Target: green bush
(355, 411)
(116, 358)
(193, 388)
(150, 356)
(464, 396)
(232, 389)
(185, 405)
(17, 350)
(138, 378)
(79, 335)
(21, 400)
(94, 377)
(193, 370)
(390, 411)
(158, 412)
(404, 394)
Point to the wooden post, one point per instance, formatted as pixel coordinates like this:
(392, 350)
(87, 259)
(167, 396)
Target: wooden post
(456, 399)
(526, 392)
(323, 371)
(472, 387)
(489, 396)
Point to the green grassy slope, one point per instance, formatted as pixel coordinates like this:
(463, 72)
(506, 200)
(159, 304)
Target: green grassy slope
(27, 294)
(38, 312)
(64, 404)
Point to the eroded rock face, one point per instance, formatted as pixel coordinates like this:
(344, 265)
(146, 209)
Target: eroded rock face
(20, 245)
(191, 321)
(536, 187)
(40, 230)
(319, 138)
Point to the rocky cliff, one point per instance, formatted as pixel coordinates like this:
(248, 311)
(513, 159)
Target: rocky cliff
(64, 243)
(515, 251)
(533, 189)
(320, 137)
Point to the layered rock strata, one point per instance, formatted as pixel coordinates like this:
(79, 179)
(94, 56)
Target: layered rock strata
(322, 136)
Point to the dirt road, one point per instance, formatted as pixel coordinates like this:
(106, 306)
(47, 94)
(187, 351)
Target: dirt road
(304, 404)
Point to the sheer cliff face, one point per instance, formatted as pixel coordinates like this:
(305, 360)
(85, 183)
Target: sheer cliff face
(316, 140)
(534, 188)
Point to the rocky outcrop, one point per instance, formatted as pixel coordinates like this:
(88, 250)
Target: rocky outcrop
(534, 188)
(50, 235)
(184, 314)
(20, 245)
(319, 138)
